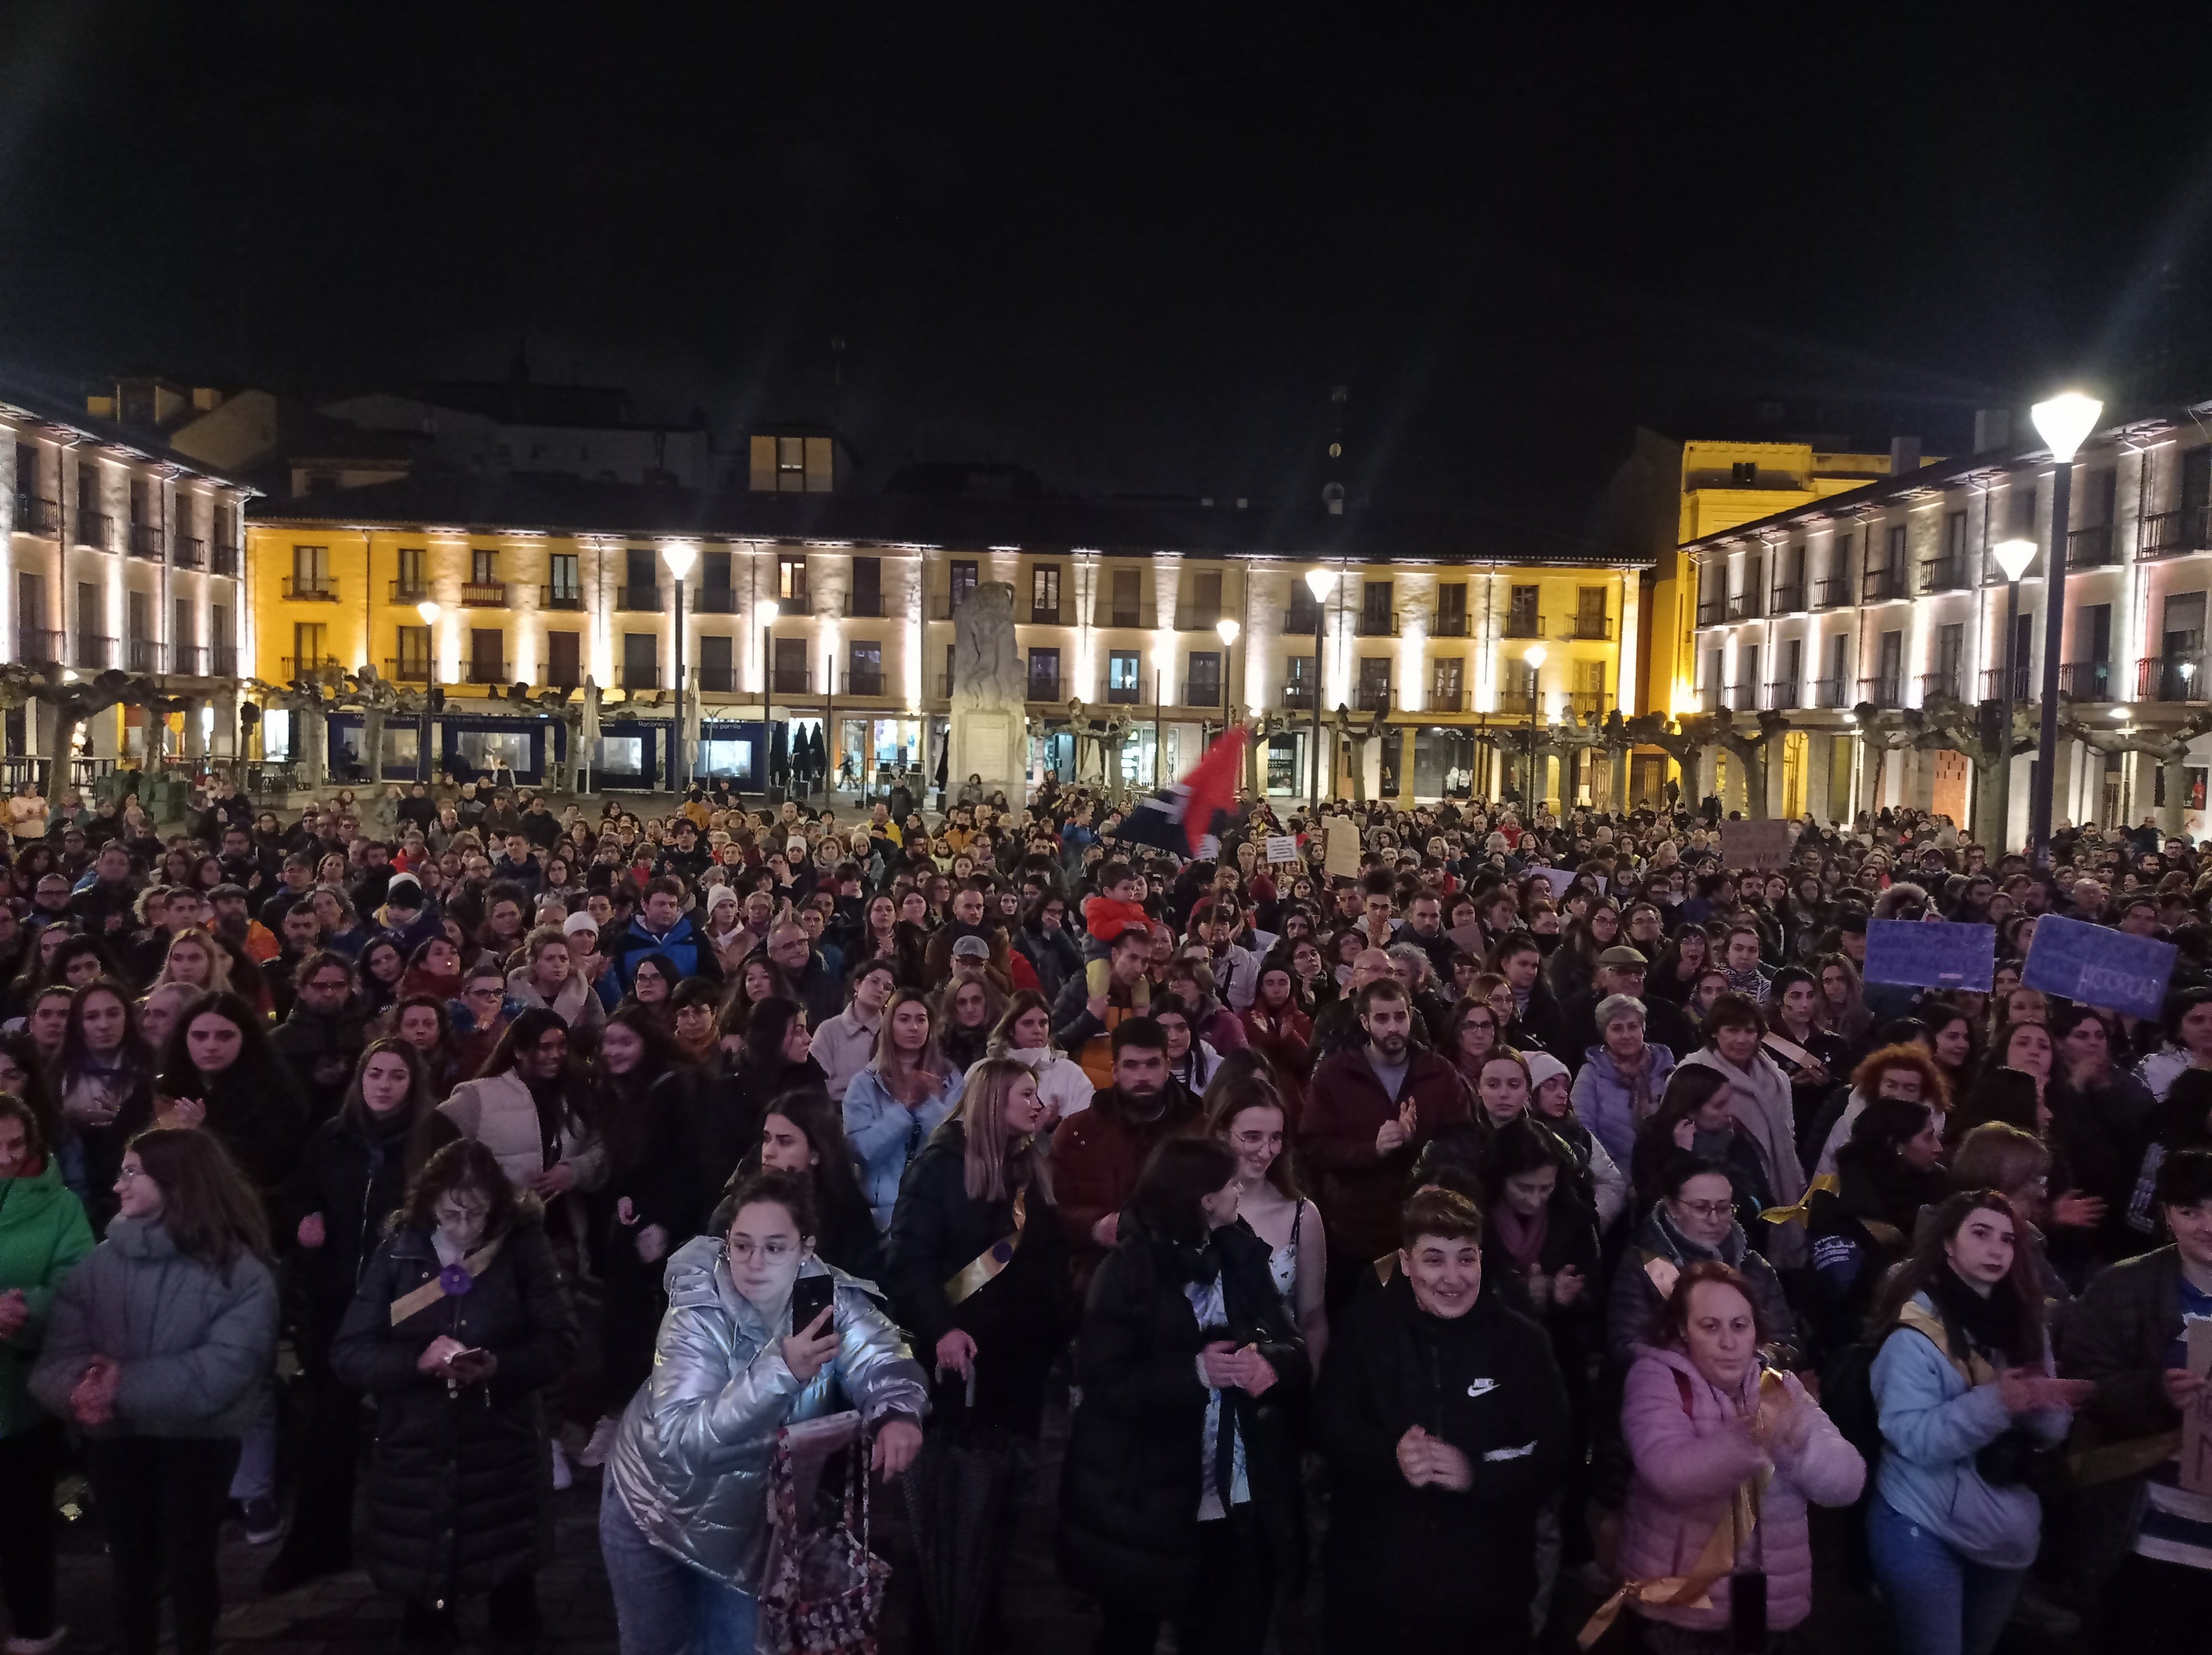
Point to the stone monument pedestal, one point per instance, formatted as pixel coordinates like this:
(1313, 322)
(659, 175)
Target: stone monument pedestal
(990, 721)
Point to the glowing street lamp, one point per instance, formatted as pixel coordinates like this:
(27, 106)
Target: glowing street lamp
(1226, 630)
(429, 611)
(1533, 655)
(679, 555)
(1321, 582)
(2064, 423)
(767, 609)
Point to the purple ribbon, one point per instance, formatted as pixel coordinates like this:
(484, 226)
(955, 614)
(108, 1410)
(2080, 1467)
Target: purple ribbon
(456, 1279)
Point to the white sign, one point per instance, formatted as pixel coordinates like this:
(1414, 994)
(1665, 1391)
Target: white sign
(1282, 849)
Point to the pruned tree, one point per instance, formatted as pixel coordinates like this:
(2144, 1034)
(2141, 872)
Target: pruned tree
(1975, 730)
(2168, 744)
(1353, 741)
(1684, 741)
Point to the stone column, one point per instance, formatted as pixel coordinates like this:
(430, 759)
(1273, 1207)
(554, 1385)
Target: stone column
(989, 727)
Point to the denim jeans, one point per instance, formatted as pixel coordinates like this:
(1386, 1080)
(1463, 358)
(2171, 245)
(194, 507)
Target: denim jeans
(662, 1606)
(1941, 1602)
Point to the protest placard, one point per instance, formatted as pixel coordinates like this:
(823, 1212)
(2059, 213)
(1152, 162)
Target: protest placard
(1342, 856)
(1282, 848)
(2196, 1418)
(1469, 939)
(1931, 955)
(2096, 965)
(1557, 878)
(1757, 845)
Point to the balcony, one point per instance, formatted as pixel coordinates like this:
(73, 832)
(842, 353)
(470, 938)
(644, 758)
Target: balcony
(98, 653)
(408, 669)
(864, 606)
(1881, 691)
(1785, 600)
(1517, 703)
(1743, 606)
(1444, 623)
(222, 661)
(223, 560)
(1371, 699)
(2085, 681)
(561, 597)
(1198, 618)
(562, 675)
(96, 530)
(1371, 625)
(1783, 697)
(1520, 623)
(185, 552)
(790, 680)
(1828, 693)
(1881, 586)
(37, 515)
(310, 589)
(638, 599)
(484, 594)
(409, 591)
(188, 660)
(715, 680)
(1583, 702)
(942, 605)
(142, 655)
(1933, 686)
(144, 540)
(1123, 695)
(1200, 692)
(38, 646)
(864, 681)
(1943, 575)
(294, 667)
(1709, 614)
(1045, 689)
(2090, 548)
(715, 601)
(474, 671)
(1053, 617)
(646, 676)
(1107, 615)
(1742, 697)
(1831, 595)
(1304, 618)
(1298, 698)
(2171, 677)
(1993, 684)
(2166, 534)
(1592, 626)
(1447, 701)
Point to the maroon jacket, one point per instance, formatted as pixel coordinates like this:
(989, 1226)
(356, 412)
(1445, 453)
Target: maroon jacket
(1361, 1190)
(1096, 1154)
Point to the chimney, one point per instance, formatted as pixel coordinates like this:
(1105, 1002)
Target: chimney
(1904, 456)
(1992, 428)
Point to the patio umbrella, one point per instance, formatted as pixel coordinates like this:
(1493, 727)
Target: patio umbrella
(779, 753)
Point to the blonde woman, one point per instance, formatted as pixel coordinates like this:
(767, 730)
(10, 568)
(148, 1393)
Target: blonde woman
(1023, 1034)
(902, 1097)
(195, 960)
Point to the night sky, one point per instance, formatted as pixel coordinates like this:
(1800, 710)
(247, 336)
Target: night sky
(1131, 248)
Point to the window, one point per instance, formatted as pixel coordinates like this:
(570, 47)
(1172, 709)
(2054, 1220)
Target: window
(1521, 620)
(1375, 606)
(641, 569)
(864, 670)
(2195, 479)
(1897, 546)
(311, 571)
(964, 579)
(483, 567)
(182, 632)
(1044, 675)
(310, 646)
(945, 688)
(1203, 687)
(640, 663)
(138, 621)
(568, 588)
(413, 582)
(1205, 597)
(790, 467)
(1374, 690)
(26, 471)
(1298, 682)
(1954, 534)
(1124, 680)
(1446, 683)
(220, 635)
(1452, 611)
(715, 674)
(792, 675)
(867, 587)
(486, 656)
(2023, 507)
(412, 663)
(1044, 595)
(714, 571)
(791, 579)
(1128, 597)
(1590, 606)
(1744, 474)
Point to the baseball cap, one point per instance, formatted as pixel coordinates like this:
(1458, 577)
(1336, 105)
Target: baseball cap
(971, 948)
(1543, 1067)
(1621, 954)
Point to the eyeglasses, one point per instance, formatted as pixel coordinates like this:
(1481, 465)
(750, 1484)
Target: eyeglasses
(744, 1249)
(1706, 1209)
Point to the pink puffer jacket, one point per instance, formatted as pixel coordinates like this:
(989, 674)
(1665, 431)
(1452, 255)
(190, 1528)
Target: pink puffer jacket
(1688, 1463)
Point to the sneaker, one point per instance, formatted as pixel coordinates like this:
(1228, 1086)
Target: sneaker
(264, 1522)
(46, 1646)
(563, 1477)
(602, 1443)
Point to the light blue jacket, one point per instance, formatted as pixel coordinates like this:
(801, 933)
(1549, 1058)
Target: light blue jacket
(1932, 1425)
(885, 1134)
(1603, 1100)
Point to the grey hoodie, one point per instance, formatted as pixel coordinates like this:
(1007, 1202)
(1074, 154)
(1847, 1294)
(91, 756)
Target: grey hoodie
(196, 1345)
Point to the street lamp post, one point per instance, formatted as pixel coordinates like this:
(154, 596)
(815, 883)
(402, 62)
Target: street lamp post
(2013, 557)
(1226, 629)
(1320, 583)
(429, 611)
(770, 609)
(679, 555)
(2064, 423)
(1533, 655)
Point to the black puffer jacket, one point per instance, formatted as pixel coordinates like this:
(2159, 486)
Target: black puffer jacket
(1407, 1562)
(1129, 1499)
(354, 1176)
(1018, 1319)
(314, 1041)
(458, 1487)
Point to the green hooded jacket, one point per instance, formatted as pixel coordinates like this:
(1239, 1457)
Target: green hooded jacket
(43, 1236)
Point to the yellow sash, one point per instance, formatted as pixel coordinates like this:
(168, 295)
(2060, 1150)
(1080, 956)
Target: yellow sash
(1802, 1211)
(984, 1268)
(435, 1289)
(1716, 1559)
(1975, 1370)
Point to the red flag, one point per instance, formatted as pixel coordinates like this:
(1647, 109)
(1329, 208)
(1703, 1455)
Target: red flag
(1178, 817)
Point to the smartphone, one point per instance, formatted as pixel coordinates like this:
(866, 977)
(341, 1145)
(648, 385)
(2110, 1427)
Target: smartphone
(809, 1296)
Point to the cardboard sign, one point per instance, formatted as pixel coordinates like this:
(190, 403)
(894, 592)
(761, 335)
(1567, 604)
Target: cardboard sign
(1927, 954)
(2096, 965)
(1207, 849)
(1557, 878)
(1283, 848)
(1342, 860)
(2196, 1418)
(1469, 939)
(1760, 847)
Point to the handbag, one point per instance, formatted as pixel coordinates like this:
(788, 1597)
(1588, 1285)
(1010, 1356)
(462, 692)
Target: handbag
(824, 1590)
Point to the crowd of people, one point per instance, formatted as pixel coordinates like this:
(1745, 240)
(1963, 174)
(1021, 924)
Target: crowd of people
(1546, 1201)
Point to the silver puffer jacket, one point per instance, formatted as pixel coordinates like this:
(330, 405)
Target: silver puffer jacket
(691, 1461)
